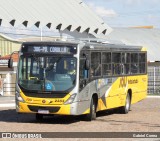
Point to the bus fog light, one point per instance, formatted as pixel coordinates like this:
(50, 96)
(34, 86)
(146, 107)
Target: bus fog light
(70, 99)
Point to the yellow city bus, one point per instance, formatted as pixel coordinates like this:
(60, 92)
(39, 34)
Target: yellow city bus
(79, 78)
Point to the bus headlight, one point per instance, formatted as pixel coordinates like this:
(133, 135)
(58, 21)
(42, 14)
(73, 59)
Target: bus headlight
(18, 97)
(70, 99)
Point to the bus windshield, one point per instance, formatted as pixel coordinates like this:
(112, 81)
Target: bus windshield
(47, 73)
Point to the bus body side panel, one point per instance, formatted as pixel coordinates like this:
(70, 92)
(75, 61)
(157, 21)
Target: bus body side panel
(136, 85)
(139, 87)
(104, 87)
(84, 98)
(101, 87)
(116, 95)
(113, 95)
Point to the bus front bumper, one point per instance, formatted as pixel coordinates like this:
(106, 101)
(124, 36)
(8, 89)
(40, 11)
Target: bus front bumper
(42, 109)
(69, 109)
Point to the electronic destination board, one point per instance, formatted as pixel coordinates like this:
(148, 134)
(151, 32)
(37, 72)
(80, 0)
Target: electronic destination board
(49, 49)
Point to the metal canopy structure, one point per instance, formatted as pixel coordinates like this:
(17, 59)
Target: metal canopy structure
(64, 15)
(149, 38)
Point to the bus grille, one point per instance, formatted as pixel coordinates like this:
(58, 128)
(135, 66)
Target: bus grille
(50, 109)
(45, 95)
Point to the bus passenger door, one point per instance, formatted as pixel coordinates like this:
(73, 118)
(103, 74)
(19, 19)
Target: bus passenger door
(84, 75)
(84, 88)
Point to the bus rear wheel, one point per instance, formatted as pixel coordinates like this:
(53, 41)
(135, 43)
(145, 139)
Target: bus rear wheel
(92, 114)
(125, 109)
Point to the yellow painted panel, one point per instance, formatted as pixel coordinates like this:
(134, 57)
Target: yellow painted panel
(113, 102)
(101, 105)
(87, 111)
(44, 101)
(64, 109)
(48, 102)
(119, 89)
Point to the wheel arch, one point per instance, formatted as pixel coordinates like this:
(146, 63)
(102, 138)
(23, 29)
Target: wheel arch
(95, 98)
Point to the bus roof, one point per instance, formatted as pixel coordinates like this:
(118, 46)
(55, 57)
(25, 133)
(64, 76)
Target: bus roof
(49, 42)
(98, 46)
(88, 45)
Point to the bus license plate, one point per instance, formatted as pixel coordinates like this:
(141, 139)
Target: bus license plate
(43, 111)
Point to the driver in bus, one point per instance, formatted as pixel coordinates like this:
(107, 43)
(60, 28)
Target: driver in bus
(71, 70)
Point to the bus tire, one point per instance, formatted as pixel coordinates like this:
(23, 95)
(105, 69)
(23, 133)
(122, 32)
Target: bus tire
(125, 109)
(39, 117)
(92, 114)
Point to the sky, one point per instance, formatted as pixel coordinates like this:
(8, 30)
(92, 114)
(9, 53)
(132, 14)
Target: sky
(127, 13)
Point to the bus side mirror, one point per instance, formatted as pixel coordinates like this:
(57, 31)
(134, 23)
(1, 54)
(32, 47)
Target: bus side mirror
(87, 64)
(10, 63)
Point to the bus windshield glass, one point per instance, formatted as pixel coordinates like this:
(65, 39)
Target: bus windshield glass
(47, 73)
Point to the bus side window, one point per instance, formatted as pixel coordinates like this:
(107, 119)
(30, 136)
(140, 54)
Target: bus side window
(83, 74)
(134, 63)
(95, 64)
(116, 63)
(142, 64)
(82, 71)
(106, 63)
(125, 63)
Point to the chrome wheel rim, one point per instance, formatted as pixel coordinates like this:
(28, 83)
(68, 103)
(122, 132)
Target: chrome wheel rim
(127, 103)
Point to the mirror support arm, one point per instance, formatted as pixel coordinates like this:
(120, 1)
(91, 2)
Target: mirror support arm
(10, 61)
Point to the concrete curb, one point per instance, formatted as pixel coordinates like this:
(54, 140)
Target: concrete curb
(6, 105)
(150, 96)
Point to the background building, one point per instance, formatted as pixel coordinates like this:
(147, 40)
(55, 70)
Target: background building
(8, 45)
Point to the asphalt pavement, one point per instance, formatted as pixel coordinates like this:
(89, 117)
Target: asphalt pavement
(7, 101)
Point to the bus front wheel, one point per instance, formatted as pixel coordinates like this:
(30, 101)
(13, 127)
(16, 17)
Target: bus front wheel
(92, 114)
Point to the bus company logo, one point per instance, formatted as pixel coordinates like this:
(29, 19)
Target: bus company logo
(44, 101)
(123, 82)
(134, 81)
(29, 99)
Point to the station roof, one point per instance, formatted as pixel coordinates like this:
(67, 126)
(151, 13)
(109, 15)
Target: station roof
(58, 14)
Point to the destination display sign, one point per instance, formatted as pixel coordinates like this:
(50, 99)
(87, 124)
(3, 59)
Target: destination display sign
(49, 49)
